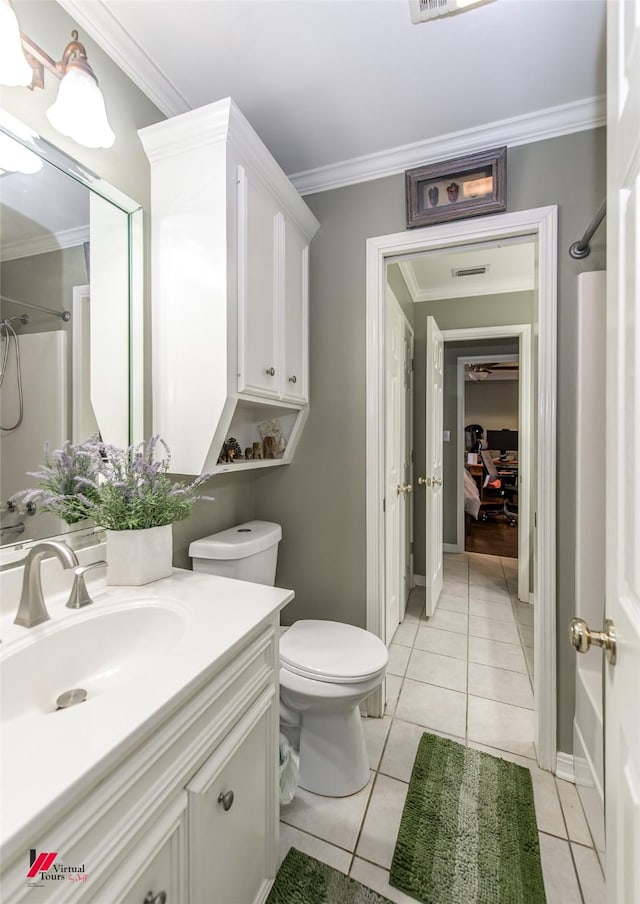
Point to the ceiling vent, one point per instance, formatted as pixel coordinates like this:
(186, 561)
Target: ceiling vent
(471, 271)
(423, 10)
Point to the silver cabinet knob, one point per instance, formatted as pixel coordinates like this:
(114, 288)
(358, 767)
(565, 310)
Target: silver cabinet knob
(293, 379)
(270, 371)
(582, 638)
(226, 799)
(160, 898)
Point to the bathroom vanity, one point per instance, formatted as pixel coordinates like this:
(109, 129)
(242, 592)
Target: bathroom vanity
(163, 784)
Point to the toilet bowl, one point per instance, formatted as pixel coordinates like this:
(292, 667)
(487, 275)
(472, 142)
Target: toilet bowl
(326, 668)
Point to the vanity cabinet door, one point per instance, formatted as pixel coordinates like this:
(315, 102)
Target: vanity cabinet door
(295, 321)
(259, 280)
(233, 812)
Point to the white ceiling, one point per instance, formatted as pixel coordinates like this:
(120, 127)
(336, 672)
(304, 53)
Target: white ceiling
(327, 81)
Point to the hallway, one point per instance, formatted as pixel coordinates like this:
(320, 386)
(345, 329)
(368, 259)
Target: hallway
(442, 677)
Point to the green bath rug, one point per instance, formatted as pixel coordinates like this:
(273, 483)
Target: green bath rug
(304, 880)
(468, 832)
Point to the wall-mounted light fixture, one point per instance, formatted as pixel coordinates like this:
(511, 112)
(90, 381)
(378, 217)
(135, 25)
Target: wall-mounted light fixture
(79, 111)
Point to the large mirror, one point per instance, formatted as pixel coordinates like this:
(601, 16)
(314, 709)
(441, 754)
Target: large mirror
(70, 317)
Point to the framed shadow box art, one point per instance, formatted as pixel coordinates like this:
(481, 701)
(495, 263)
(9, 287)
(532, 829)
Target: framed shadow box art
(452, 189)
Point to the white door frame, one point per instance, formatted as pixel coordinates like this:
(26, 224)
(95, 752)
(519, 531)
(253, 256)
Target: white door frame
(542, 225)
(521, 332)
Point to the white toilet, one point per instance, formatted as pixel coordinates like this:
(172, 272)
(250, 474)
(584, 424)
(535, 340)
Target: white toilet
(326, 668)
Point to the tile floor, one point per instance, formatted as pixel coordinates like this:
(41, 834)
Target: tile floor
(464, 673)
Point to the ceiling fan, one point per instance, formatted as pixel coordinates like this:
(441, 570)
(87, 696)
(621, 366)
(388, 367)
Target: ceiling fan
(480, 372)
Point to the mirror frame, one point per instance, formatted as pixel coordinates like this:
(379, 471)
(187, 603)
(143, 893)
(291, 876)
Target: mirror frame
(29, 139)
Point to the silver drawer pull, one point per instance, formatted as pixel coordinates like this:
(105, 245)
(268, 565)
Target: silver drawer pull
(226, 800)
(160, 898)
(270, 371)
(293, 379)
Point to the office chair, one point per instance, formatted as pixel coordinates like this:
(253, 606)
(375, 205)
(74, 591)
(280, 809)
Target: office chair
(502, 486)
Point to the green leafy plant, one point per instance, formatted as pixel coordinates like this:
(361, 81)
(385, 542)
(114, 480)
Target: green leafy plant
(121, 489)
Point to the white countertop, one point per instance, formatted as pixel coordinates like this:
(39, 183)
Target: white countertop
(50, 757)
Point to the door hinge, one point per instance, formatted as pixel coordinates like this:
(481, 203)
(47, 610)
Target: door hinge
(535, 519)
(384, 505)
(412, 456)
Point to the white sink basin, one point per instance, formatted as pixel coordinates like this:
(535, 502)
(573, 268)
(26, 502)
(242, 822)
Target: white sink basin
(98, 652)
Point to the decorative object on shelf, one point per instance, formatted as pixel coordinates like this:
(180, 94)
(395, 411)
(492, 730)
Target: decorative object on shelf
(475, 184)
(248, 453)
(231, 450)
(257, 451)
(129, 493)
(272, 428)
(269, 446)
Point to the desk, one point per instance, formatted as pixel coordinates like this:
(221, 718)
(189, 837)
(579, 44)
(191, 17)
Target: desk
(506, 469)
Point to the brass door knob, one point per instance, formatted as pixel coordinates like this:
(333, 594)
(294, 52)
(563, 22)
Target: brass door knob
(424, 481)
(403, 488)
(436, 481)
(582, 638)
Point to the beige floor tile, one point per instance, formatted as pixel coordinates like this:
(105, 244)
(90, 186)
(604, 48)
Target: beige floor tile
(526, 635)
(453, 603)
(432, 668)
(500, 725)
(375, 735)
(589, 874)
(333, 819)
(315, 847)
(398, 659)
(400, 752)
(577, 828)
(560, 883)
(491, 593)
(378, 879)
(455, 588)
(447, 620)
(493, 629)
(497, 654)
(501, 685)
(382, 822)
(433, 707)
(406, 632)
(527, 762)
(393, 683)
(447, 643)
(524, 613)
(548, 810)
(490, 609)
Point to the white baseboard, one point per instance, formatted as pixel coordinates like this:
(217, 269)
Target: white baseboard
(419, 580)
(564, 767)
(452, 547)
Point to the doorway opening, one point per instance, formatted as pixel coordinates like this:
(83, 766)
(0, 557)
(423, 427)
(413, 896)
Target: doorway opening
(539, 226)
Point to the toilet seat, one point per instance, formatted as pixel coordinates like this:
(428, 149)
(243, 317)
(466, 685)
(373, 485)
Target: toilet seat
(332, 652)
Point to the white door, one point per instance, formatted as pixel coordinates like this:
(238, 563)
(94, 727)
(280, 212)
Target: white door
(408, 467)
(394, 463)
(433, 464)
(622, 680)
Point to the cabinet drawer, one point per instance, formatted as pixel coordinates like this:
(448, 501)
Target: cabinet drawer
(233, 812)
(158, 864)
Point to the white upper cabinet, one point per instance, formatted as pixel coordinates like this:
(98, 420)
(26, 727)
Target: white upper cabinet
(230, 258)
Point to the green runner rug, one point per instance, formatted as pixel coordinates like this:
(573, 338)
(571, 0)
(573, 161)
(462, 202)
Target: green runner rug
(468, 832)
(304, 880)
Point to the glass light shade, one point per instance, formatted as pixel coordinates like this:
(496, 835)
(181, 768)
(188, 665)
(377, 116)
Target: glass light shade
(15, 158)
(14, 69)
(79, 111)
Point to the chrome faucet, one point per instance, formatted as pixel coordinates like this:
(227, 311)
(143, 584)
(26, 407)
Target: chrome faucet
(32, 610)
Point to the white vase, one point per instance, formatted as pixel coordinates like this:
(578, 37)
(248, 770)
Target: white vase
(136, 557)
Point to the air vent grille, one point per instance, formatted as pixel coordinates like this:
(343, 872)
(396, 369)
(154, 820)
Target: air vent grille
(471, 271)
(423, 10)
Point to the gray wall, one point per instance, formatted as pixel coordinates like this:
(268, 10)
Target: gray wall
(320, 498)
(492, 403)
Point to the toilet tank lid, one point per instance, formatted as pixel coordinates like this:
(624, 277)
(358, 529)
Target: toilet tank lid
(237, 542)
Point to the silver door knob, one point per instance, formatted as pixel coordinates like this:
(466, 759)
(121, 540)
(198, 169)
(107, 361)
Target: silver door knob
(226, 799)
(151, 898)
(582, 638)
(270, 371)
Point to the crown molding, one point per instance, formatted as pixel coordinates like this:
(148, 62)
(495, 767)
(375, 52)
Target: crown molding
(98, 21)
(43, 244)
(550, 123)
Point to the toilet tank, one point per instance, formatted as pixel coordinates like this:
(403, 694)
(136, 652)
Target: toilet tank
(247, 552)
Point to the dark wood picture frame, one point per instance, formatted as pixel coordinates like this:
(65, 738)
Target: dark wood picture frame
(452, 189)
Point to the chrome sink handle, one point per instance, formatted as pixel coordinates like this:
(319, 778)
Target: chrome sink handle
(79, 595)
(32, 610)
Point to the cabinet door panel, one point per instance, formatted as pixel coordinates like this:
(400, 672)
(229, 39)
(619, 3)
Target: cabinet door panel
(233, 851)
(296, 317)
(259, 278)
